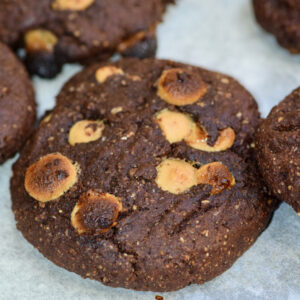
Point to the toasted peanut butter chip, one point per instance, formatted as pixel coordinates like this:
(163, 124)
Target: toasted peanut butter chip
(177, 126)
(95, 213)
(50, 177)
(217, 175)
(103, 73)
(85, 131)
(198, 140)
(175, 176)
(71, 4)
(40, 40)
(180, 87)
(174, 125)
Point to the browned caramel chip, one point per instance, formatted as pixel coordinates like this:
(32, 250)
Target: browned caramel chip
(85, 131)
(71, 4)
(175, 176)
(40, 40)
(198, 139)
(217, 175)
(174, 125)
(180, 87)
(50, 177)
(103, 73)
(95, 213)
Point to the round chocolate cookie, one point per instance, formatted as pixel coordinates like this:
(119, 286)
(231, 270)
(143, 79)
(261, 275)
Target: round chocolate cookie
(54, 32)
(281, 18)
(17, 105)
(142, 176)
(278, 150)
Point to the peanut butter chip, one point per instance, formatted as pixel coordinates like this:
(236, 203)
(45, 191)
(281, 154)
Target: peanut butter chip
(71, 4)
(175, 176)
(103, 73)
(95, 213)
(174, 125)
(217, 175)
(40, 40)
(85, 131)
(180, 87)
(177, 127)
(198, 140)
(50, 177)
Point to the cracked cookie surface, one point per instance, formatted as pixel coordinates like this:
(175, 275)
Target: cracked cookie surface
(54, 32)
(278, 150)
(145, 213)
(17, 105)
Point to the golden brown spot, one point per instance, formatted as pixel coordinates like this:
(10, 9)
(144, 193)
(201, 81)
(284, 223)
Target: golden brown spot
(103, 73)
(40, 40)
(71, 4)
(85, 131)
(174, 125)
(217, 175)
(175, 176)
(180, 87)
(50, 177)
(95, 213)
(198, 139)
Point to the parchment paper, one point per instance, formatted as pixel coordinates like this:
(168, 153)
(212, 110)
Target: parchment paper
(221, 35)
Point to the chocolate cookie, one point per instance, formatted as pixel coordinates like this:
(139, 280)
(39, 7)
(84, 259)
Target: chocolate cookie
(281, 18)
(142, 176)
(17, 106)
(54, 32)
(278, 150)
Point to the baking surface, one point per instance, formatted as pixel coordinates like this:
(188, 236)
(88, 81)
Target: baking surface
(220, 35)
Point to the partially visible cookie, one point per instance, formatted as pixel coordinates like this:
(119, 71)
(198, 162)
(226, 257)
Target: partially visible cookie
(143, 177)
(278, 150)
(17, 105)
(281, 18)
(292, 3)
(54, 32)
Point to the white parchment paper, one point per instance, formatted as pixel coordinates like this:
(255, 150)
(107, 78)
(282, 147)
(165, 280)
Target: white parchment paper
(223, 36)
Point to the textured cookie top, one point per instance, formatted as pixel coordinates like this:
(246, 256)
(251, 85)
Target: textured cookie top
(103, 23)
(282, 18)
(295, 4)
(150, 195)
(17, 106)
(278, 146)
(55, 31)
